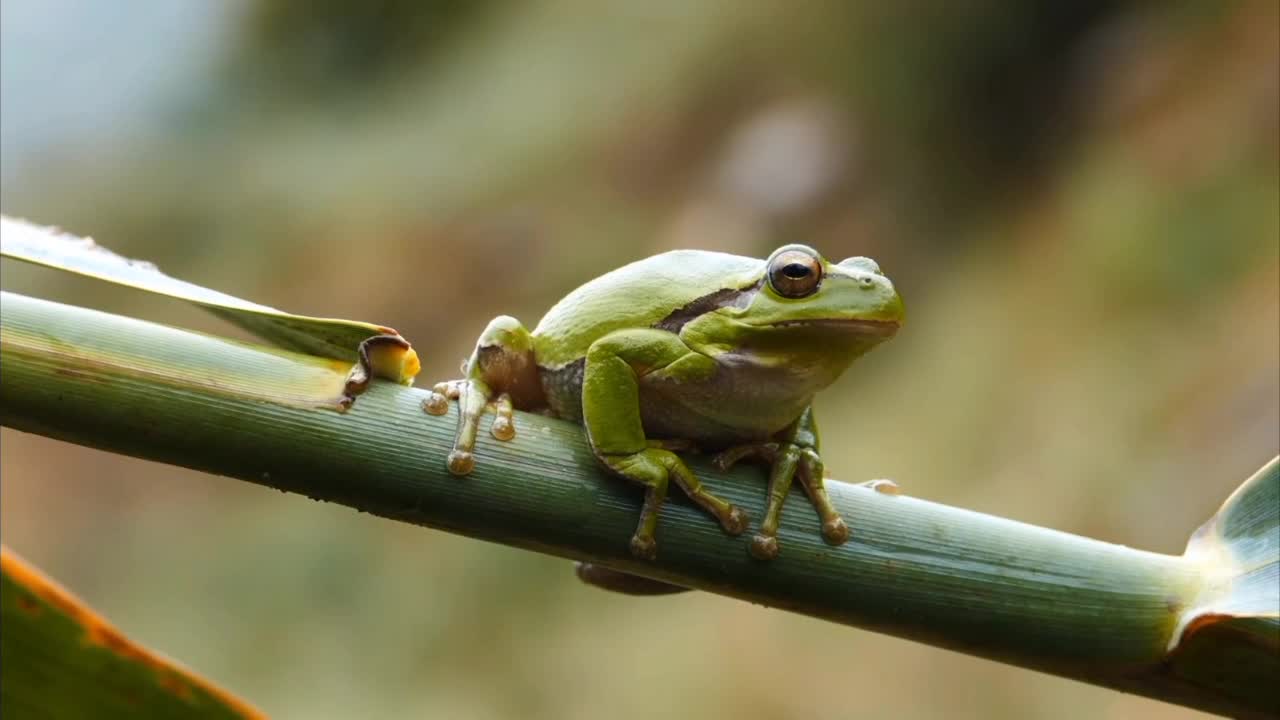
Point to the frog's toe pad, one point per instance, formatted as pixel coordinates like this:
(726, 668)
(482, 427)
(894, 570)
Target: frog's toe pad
(735, 523)
(835, 531)
(645, 548)
(436, 404)
(764, 547)
(503, 428)
(461, 462)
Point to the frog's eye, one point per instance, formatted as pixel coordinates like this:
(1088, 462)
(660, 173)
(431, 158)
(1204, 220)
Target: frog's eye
(795, 274)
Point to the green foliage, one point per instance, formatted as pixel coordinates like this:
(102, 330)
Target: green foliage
(329, 338)
(1232, 629)
(61, 660)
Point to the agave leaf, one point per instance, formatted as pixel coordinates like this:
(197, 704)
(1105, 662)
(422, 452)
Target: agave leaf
(62, 659)
(1232, 629)
(325, 337)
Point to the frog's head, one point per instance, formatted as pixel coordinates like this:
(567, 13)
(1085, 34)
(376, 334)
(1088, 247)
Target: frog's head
(802, 289)
(805, 312)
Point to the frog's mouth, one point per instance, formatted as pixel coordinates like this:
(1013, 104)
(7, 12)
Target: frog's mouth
(873, 328)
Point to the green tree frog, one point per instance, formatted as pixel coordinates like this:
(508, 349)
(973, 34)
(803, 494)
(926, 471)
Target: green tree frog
(687, 349)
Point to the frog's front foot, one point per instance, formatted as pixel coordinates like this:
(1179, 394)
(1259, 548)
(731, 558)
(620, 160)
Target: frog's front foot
(787, 461)
(473, 402)
(501, 368)
(437, 403)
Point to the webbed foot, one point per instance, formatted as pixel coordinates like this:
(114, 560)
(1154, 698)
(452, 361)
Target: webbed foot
(764, 547)
(473, 402)
(644, 547)
(655, 468)
(788, 461)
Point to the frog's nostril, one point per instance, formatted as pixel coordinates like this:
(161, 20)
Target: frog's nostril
(866, 282)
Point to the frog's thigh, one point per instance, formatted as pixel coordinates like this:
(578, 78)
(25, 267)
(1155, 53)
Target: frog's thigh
(611, 385)
(611, 413)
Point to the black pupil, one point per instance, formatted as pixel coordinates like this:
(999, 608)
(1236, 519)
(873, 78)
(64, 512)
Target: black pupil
(795, 271)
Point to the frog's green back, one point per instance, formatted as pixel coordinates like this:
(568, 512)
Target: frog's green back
(638, 295)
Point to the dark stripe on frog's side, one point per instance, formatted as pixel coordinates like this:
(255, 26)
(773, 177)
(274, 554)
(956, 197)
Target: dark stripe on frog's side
(562, 386)
(726, 297)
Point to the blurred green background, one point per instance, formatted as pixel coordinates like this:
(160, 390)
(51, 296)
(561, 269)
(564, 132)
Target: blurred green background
(1080, 203)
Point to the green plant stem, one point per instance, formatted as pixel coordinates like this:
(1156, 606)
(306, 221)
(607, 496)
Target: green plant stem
(956, 579)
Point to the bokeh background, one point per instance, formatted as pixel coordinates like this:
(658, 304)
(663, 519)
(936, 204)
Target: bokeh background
(1079, 201)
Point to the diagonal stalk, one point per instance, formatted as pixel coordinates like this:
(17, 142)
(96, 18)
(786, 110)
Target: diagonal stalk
(974, 583)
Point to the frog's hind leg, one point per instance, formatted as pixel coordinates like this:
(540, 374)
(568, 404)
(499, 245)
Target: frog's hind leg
(652, 473)
(793, 456)
(834, 529)
(611, 414)
(501, 374)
